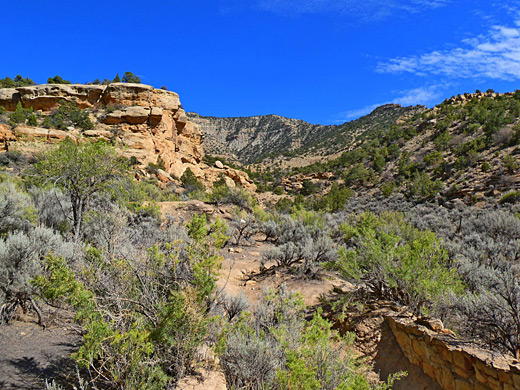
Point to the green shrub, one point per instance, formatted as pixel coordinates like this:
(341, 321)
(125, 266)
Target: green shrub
(22, 115)
(485, 166)
(68, 115)
(511, 163)
(406, 168)
(396, 261)
(31, 120)
(422, 187)
(220, 193)
(308, 188)
(442, 140)
(321, 359)
(379, 162)
(190, 181)
(433, 158)
(358, 174)
(275, 349)
(334, 200)
(57, 80)
(283, 205)
(387, 188)
(510, 197)
(278, 190)
(129, 77)
(18, 81)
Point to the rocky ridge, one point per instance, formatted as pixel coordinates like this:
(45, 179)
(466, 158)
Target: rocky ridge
(262, 138)
(148, 124)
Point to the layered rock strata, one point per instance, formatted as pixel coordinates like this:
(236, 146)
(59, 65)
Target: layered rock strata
(394, 339)
(453, 363)
(149, 124)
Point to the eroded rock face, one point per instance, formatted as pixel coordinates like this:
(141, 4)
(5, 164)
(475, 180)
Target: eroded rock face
(433, 356)
(47, 96)
(149, 124)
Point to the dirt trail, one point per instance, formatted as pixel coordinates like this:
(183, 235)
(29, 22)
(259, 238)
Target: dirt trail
(29, 354)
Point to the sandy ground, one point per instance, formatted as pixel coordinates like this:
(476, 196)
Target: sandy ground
(29, 354)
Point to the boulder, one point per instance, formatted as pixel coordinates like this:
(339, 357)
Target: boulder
(132, 115)
(156, 115)
(98, 133)
(58, 135)
(180, 119)
(31, 132)
(219, 164)
(166, 100)
(163, 176)
(136, 115)
(114, 117)
(6, 135)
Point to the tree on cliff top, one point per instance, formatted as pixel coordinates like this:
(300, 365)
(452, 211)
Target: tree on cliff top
(129, 77)
(18, 81)
(57, 80)
(82, 170)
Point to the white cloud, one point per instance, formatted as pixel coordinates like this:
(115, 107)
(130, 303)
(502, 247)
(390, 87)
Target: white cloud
(424, 95)
(427, 95)
(494, 55)
(372, 9)
(357, 113)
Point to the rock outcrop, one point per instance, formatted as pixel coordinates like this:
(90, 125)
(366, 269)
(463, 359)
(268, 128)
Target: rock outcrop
(452, 363)
(149, 124)
(430, 353)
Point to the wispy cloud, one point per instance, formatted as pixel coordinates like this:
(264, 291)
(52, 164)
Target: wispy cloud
(372, 9)
(427, 95)
(494, 55)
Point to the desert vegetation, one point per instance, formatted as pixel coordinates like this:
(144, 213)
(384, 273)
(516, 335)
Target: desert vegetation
(78, 236)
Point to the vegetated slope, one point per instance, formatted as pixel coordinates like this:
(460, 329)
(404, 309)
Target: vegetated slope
(257, 138)
(466, 147)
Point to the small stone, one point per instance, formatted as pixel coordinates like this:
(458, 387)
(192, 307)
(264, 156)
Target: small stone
(219, 164)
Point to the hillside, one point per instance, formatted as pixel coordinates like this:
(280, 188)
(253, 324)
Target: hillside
(260, 138)
(467, 147)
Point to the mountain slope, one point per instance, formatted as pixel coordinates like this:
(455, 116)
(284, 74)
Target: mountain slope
(253, 139)
(467, 147)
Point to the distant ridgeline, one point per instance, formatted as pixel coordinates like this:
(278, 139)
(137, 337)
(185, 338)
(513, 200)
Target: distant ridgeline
(257, 138)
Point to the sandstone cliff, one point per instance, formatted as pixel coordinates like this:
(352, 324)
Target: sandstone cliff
(148, 124)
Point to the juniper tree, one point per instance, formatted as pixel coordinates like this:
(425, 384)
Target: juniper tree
(81, 170)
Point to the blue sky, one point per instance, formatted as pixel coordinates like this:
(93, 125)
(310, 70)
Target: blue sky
(323, 61)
